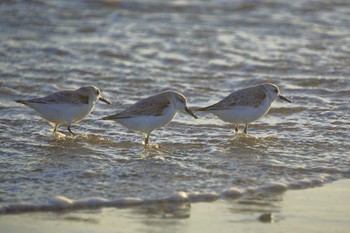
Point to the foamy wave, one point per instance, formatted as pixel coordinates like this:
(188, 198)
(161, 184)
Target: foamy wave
(62, 203)
(203, 197)
(232, 193)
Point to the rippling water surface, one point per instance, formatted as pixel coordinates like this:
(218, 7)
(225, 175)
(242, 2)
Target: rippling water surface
(204, 49)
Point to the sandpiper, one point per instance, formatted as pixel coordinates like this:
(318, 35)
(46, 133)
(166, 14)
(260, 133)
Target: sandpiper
(152, 113)
(246, 105)
(66, 107)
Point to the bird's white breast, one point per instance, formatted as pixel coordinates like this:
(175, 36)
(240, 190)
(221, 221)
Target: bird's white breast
(243, 114)
(145, 124)
(63, 113)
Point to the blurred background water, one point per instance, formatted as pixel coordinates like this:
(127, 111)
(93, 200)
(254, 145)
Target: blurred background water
(204, 49)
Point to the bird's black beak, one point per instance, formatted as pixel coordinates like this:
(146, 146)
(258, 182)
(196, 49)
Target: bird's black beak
(191, 113)
(284, 98)
(104, 100)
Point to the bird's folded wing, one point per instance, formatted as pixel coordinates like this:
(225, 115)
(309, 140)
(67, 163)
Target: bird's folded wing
(251, 96)
(62, 97)
(151, 106)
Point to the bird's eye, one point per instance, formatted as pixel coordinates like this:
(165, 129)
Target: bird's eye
(276, 91)
(98, 92)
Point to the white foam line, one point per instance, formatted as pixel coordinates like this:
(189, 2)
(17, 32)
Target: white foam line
(232, 193)
(62, 203)
(204, 197)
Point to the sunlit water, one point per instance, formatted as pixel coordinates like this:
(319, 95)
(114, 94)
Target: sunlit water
(204, 49)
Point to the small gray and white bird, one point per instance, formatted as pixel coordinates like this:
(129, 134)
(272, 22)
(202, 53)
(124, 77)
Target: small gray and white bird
(246, 105)
(152, 113)
(66, 107)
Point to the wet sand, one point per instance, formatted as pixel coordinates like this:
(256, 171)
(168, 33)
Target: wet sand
(320, 209)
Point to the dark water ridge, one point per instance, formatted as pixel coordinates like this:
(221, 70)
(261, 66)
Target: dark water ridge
(204, 49)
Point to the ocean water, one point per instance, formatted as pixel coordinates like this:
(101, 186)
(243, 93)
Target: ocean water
(204, 49)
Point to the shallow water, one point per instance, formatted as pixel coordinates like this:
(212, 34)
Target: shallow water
(204, 49)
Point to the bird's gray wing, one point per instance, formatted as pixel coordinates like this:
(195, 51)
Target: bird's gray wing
(251, 96)
(62, 97)
(151, 106)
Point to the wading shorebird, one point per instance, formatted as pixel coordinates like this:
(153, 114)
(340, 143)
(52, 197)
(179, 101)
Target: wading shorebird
(66, 107)
(152, 113)
(246, 105)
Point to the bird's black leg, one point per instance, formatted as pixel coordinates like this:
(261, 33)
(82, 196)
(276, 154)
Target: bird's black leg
(55, 128)
(70, 130)
(146, 140)
(246, 129)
